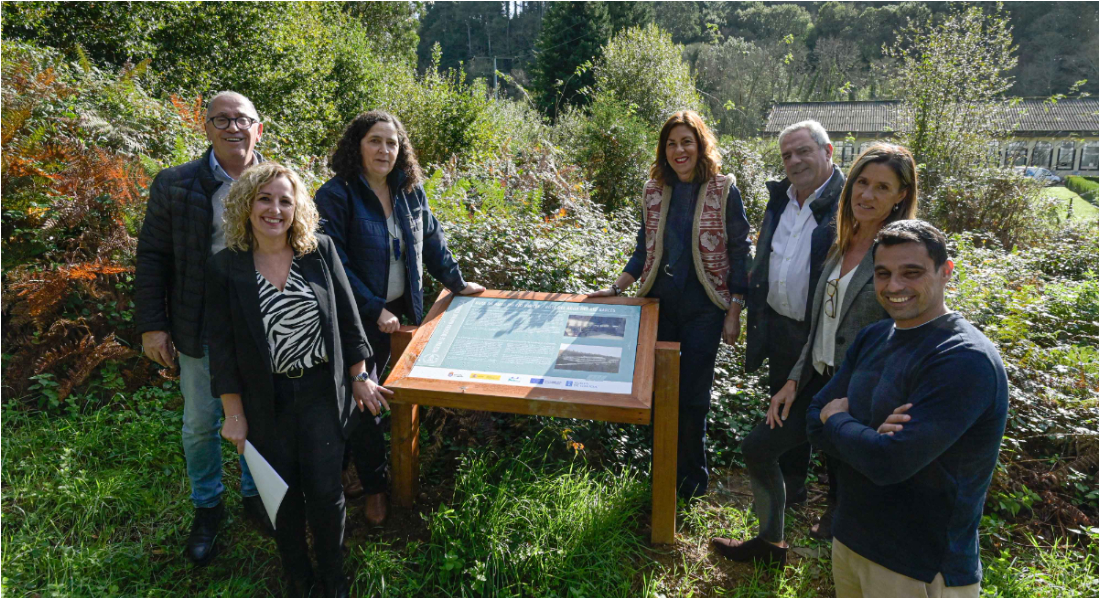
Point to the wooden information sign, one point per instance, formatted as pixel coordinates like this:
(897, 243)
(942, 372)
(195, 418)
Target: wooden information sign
(597, 335)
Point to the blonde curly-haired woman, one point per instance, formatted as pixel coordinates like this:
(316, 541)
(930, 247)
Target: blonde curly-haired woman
(288, 356)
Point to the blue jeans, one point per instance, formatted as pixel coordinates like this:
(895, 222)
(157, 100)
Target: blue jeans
(202, 442)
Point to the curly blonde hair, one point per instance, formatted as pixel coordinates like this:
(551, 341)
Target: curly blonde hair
(301, 237)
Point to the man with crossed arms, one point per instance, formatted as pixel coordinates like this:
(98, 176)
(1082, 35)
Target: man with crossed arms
(915, 417)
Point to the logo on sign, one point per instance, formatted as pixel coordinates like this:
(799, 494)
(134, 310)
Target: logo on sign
(568, 383)
(537, 381)
(485, 377)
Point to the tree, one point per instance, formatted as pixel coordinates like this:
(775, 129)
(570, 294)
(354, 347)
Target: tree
(308, 67)
(952, 76)
(625, 15)
(681, 19)
(392, 26)
(643, 67)
(571, 37)
(774, 22)
(740, 79)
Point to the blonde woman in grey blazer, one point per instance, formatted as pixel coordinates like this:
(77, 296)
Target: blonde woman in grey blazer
(881, 188)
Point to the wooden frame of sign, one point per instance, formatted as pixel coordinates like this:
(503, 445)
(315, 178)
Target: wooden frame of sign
(654, 399)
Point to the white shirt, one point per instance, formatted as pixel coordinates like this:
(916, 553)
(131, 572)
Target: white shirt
(824, 354)
(789, 263)
(217, 203)
(396, 286)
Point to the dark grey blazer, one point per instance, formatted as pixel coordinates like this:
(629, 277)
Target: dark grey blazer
(859, 309)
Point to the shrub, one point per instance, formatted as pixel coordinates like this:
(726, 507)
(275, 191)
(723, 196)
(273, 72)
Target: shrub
(445, 116)
(308, 67)
(1083, 187)
(743, 160)
(1041, 314)
(615, 147)
(644, 68)
(79, 148)
(529, 225)
(953, 72)
(1006, 206)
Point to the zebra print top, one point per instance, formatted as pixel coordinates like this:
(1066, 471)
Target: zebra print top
(292, 320)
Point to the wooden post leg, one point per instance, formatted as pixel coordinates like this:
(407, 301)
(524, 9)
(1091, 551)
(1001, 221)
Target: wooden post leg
(404, 433)
(666, 420)
(405, 453)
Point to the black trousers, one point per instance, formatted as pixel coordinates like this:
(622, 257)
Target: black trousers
(308, 459)
(367, 442)
(786, 337)
(763, 448)
(691, 318)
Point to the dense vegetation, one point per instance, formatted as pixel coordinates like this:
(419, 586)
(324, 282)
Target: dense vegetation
(95, 499)
(765, 51)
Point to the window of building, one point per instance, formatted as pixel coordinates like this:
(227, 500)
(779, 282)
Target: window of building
(847, 153)
(1017, 153)
(1040, 154)
(863, 146)
(993, 154)
(1067, 151)
(1090, 156)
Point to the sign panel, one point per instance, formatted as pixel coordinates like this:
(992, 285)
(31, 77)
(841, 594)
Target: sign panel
(531, 343)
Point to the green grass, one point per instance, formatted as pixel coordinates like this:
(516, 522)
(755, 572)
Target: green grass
(96, 504)
(1082, 210)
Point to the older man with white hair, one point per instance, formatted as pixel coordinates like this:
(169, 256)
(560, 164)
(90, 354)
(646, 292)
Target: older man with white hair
(182, 229)
(793, 242)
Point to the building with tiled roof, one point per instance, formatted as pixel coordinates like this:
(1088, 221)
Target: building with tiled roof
(1061, 136)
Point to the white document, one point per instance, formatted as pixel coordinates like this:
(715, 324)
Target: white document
(271, 486)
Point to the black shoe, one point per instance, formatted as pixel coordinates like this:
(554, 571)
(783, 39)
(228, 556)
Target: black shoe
(796, 498)
(255, 512)
(754, 550)
(202, 542)
(823, 530)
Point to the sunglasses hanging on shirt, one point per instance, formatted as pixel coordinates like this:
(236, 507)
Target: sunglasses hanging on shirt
(394, 240)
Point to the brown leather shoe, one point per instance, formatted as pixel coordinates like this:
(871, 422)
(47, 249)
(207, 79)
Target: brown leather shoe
(754, 550)
(353, 489)
(376, 509)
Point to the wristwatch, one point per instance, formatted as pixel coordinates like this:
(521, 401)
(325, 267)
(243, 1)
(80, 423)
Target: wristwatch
(362, 377)
(739, 301)
(615, 288)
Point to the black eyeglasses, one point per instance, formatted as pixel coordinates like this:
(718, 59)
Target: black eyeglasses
(222, 122)
(831, 288)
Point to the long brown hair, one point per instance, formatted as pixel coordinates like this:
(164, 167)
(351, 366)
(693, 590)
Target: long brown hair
(709, 161)
(901, 161)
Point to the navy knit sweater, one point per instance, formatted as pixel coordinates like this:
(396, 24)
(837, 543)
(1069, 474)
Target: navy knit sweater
(911, 502)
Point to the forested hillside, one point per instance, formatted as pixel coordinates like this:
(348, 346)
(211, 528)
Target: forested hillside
(755, 52)
(535, 184)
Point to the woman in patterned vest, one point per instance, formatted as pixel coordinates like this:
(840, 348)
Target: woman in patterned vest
(692, 253)
(288, 358)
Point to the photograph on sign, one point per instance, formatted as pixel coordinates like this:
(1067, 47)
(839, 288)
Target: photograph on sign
(531, 343)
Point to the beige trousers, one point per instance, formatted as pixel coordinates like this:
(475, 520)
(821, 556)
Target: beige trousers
(857, 576)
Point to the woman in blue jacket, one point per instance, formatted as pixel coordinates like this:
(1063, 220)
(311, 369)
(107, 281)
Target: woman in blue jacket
(376, 212)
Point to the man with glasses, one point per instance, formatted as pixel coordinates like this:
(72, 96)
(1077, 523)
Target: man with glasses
(793, 242)
(182, 229)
